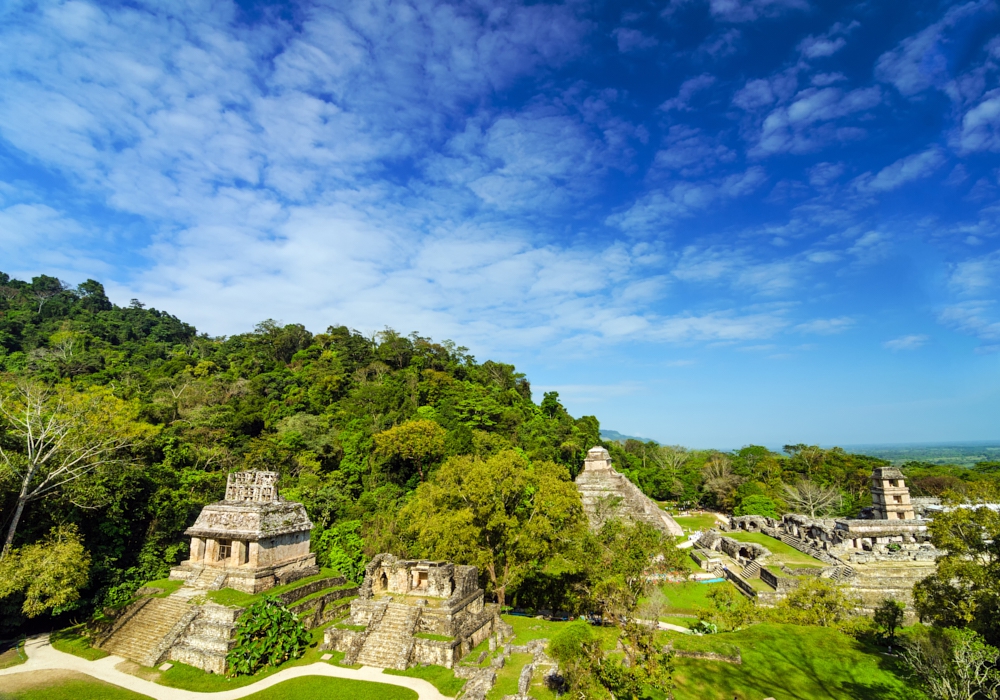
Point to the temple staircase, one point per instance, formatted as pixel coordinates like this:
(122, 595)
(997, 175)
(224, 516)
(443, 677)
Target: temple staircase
(141, 638)
(751, 570)
(208, 579)
(390, 643)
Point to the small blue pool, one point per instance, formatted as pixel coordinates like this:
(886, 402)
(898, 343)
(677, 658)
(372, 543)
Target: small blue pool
(713, 580)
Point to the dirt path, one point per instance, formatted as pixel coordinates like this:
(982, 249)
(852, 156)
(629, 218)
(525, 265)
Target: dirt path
(42, 658)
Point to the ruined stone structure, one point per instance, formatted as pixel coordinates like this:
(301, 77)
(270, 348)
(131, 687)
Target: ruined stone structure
(607, 493)
(412, 612)
(890, 497)
(250, 541)
(875, 557)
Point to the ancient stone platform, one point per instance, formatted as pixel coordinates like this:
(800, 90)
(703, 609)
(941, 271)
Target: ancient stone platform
(607, 493)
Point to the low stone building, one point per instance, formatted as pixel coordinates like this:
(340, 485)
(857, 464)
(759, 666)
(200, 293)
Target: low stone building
(250, 541)
(875, 557)
(412, 612)
(607, 493)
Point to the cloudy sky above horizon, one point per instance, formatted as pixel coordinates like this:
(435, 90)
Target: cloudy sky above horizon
(710, 222)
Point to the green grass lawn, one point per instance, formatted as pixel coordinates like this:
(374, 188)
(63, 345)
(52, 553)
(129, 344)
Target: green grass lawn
(689, 597)
(71, 641)
(168, 586)
(527, 629)
(690, 523)
(228, 596)
(440, 677)
(507, 676)
(309, 688)
(782, 552)
(12, 654)
(680, 621)
(788, 662)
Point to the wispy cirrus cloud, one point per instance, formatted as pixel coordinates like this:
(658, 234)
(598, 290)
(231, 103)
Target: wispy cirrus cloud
(906, 342)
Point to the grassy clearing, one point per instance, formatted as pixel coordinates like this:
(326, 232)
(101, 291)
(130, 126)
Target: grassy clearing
(12, 654)
(700, 521)
(788, 662)
(317, 688)
(440, 677)
(72, 641)
(168, 586)
(689, 597)
(507, 676)
(310, 688)
(527, 629)
(679, 621)
(228, 596)
(73, 689)
(782, 552)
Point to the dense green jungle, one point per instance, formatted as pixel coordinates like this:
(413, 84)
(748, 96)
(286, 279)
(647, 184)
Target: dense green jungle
(373, 433)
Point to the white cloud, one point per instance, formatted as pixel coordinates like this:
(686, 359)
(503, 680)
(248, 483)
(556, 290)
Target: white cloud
(976, 275)
(920, 62)
(686, 91)
(826, 326)
(903, 171)
(906, 342)
(807, 123)
(630, 40)
(977, 318)
(822, 174)
(658, 210)
(821, 47)
(690, 152)
(980, 129)
(750, 10)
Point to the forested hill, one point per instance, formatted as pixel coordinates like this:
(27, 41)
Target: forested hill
(353, 423)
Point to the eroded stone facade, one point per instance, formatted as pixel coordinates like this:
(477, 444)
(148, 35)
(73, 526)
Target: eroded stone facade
(415, 612)
(607, 493)
(251, 541)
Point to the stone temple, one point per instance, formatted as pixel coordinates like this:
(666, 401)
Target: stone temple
(607, 493)
(250, 541)
(412, 612)
(879, 555)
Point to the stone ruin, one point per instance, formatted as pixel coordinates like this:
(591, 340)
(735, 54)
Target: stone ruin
(411, 612)
(876, 557)
(606, 493)
(250, 541)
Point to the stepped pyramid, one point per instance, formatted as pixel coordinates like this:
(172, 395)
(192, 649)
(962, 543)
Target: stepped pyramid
(606, 493)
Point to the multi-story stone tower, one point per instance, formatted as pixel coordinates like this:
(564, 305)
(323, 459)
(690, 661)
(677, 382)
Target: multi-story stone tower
(890, 497)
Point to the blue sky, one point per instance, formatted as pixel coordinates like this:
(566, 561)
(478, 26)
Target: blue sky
(709, 222)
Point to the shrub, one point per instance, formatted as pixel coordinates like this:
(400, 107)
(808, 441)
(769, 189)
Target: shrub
(757, 505)
(267, 634)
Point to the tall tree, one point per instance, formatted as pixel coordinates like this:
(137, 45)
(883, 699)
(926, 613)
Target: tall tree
(811, 498)
(418, 442)
(502, 514)
(56, 437)
(964, 591)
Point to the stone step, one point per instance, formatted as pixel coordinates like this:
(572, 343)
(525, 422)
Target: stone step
(141, 635)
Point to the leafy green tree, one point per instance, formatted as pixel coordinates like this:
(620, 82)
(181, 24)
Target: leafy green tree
(964, 590)
(952, 664)
(267, 634)
(342, 548)
(418, 442)
(59, 436)
(757, 505)
(503, 514)
(889, 616)
(731, 610)
(49, 574)
(816, 601)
